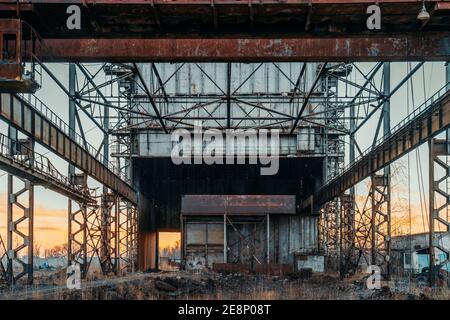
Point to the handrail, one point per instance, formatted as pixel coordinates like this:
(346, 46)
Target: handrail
(34, 40)
(42, 108)
(424, 107)
(20, 153)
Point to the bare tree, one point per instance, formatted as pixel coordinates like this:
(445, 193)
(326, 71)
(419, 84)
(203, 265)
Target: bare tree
(58, 251)
(37, 250)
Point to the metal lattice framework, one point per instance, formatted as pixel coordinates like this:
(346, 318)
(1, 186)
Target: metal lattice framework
(3, 263)
(439, 170)
(82, 246)
(127, 236)
(329, 223)
(20, 229)
(381, 222)
(124, 100)
(77, 243)
(109, 250)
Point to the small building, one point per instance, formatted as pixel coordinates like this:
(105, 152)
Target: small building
(250, 233)
(410, 253)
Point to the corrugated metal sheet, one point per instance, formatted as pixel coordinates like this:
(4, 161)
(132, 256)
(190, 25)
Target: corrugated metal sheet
(237, 204)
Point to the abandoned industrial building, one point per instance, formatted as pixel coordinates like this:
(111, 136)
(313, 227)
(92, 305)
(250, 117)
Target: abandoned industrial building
(337, 106)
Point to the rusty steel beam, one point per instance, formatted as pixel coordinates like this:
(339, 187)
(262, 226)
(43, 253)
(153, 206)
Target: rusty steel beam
(218, 2)
(426, 122)
(34, 119)
(237, 204)
(423, 46)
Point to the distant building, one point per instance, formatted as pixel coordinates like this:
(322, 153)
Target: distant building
(410, 253)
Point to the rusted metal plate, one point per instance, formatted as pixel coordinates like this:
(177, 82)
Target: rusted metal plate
(237, 204)
(323, 30)
(425, 46)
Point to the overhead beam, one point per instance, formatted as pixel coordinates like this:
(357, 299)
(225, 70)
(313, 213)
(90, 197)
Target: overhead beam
(41, 172)
(431, 46)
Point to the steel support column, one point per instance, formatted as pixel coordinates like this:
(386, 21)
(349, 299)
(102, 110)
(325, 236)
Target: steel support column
(77, 212)
(380, 231)
(3, 255)
(77, 245)
(20, 218)
(109, 256)
(381, 194)
(348, 252)
(330, 229)
(439, 200)
(127, 233)
(348, 258)
(333, 165)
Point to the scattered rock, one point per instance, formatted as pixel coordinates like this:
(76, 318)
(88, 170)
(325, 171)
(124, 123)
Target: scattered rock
(164, 286)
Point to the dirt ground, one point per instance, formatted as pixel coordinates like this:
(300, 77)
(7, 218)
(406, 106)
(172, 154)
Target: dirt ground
(210, 285)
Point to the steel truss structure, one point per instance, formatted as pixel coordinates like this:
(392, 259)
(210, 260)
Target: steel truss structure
(125, 100)
(3, 263)
(439, 174)
(20, 229)
(370, 224)
(98, 227)
(113, 222)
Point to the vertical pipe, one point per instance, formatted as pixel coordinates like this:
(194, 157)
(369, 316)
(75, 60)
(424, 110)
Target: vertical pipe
(72, 110)
(373, 243)
(228, 95)
(182, 253)
(106, 209)
(116, 238)
(9, 238)
(12, 135)
(352, 145)
(431, 210)
(447, 81)
(206, 244)
(351, 206)
(225, 245)
(30, 188)
(156, 249)
(387, 170)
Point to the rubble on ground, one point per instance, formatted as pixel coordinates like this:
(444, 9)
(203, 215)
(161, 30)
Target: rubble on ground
(213, 285)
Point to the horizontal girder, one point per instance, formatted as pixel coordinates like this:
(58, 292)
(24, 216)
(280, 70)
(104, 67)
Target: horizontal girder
(399, 47)
(32, 120)
(427, 121)
(38, 169)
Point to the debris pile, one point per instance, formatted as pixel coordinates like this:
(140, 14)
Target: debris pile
(213, 285)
